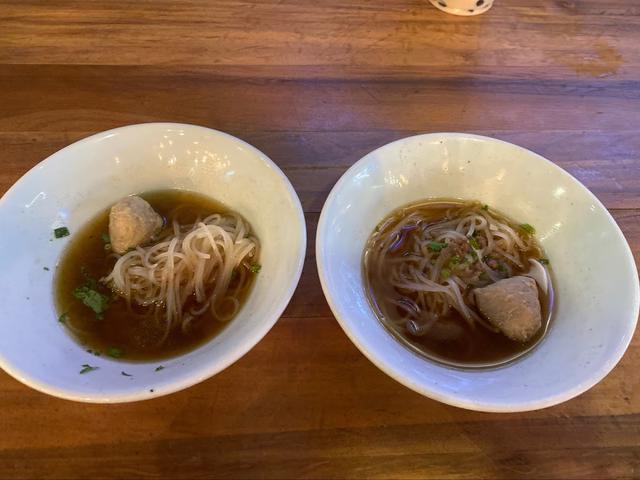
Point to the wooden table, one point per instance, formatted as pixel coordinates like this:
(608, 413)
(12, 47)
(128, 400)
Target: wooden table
(316, 85)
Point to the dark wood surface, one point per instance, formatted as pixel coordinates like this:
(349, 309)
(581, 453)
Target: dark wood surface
(316, 85)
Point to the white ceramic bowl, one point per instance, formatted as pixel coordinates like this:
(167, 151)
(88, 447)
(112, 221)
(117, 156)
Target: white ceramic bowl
(596, 281)
(71, 186)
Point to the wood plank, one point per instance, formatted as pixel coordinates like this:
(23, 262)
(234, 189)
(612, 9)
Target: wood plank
(588, 37)
(314, 161)
(366, 425)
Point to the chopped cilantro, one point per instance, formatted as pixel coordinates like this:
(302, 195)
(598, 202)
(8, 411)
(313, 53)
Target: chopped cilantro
(87, 368)
(485, 207)
(528, 228)
(445, 273)
(159, 368)
(255, 268)
(63, 318)
(60, 232)
(474, 243)
(455, 260)
(544, 261)
(436, 246)
(90, 282)
(126, 374)
(93, 299)
(114, 352)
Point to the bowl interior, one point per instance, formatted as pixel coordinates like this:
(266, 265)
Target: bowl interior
(73, 185)
(596, 282)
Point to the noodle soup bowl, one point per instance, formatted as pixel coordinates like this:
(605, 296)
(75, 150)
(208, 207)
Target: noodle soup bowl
(593, 271)
(76, 183)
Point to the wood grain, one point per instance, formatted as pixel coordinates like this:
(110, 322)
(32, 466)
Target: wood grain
(316, 85)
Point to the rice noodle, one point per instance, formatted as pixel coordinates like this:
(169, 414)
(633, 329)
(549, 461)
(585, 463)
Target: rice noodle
(187, 272)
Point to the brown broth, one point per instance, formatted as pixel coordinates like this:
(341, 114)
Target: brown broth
(135, 336)
(451, 340)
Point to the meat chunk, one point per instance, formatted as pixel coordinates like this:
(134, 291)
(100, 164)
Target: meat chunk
(511, 305)
(132, 222)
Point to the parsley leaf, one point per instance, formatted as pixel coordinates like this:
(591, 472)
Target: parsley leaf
(528, 228)
(87, 368)
(485, 207)
(436, 246)
(474, 243)
(255, 268)
(454, 261)
(61, 232)
(114, 352)
(93, 299)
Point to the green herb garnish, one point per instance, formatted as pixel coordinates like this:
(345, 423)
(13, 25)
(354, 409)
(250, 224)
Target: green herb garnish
(93, 299)
(114, 352)
(159, 368)
(107, 241)
(436, 246)
(484, 277)
(544, 261)
(455, 260)
(89, 281)
(126, 374)
(255, 268)
(485, 207)
(87, 368)
(46, 269)
(474, 243)
(502, 268)
(445, 273)
(63, 318)
(528, 228)
(61, 232)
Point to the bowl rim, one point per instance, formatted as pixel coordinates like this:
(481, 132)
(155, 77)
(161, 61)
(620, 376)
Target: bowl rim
(205, 371)
(453, 399)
